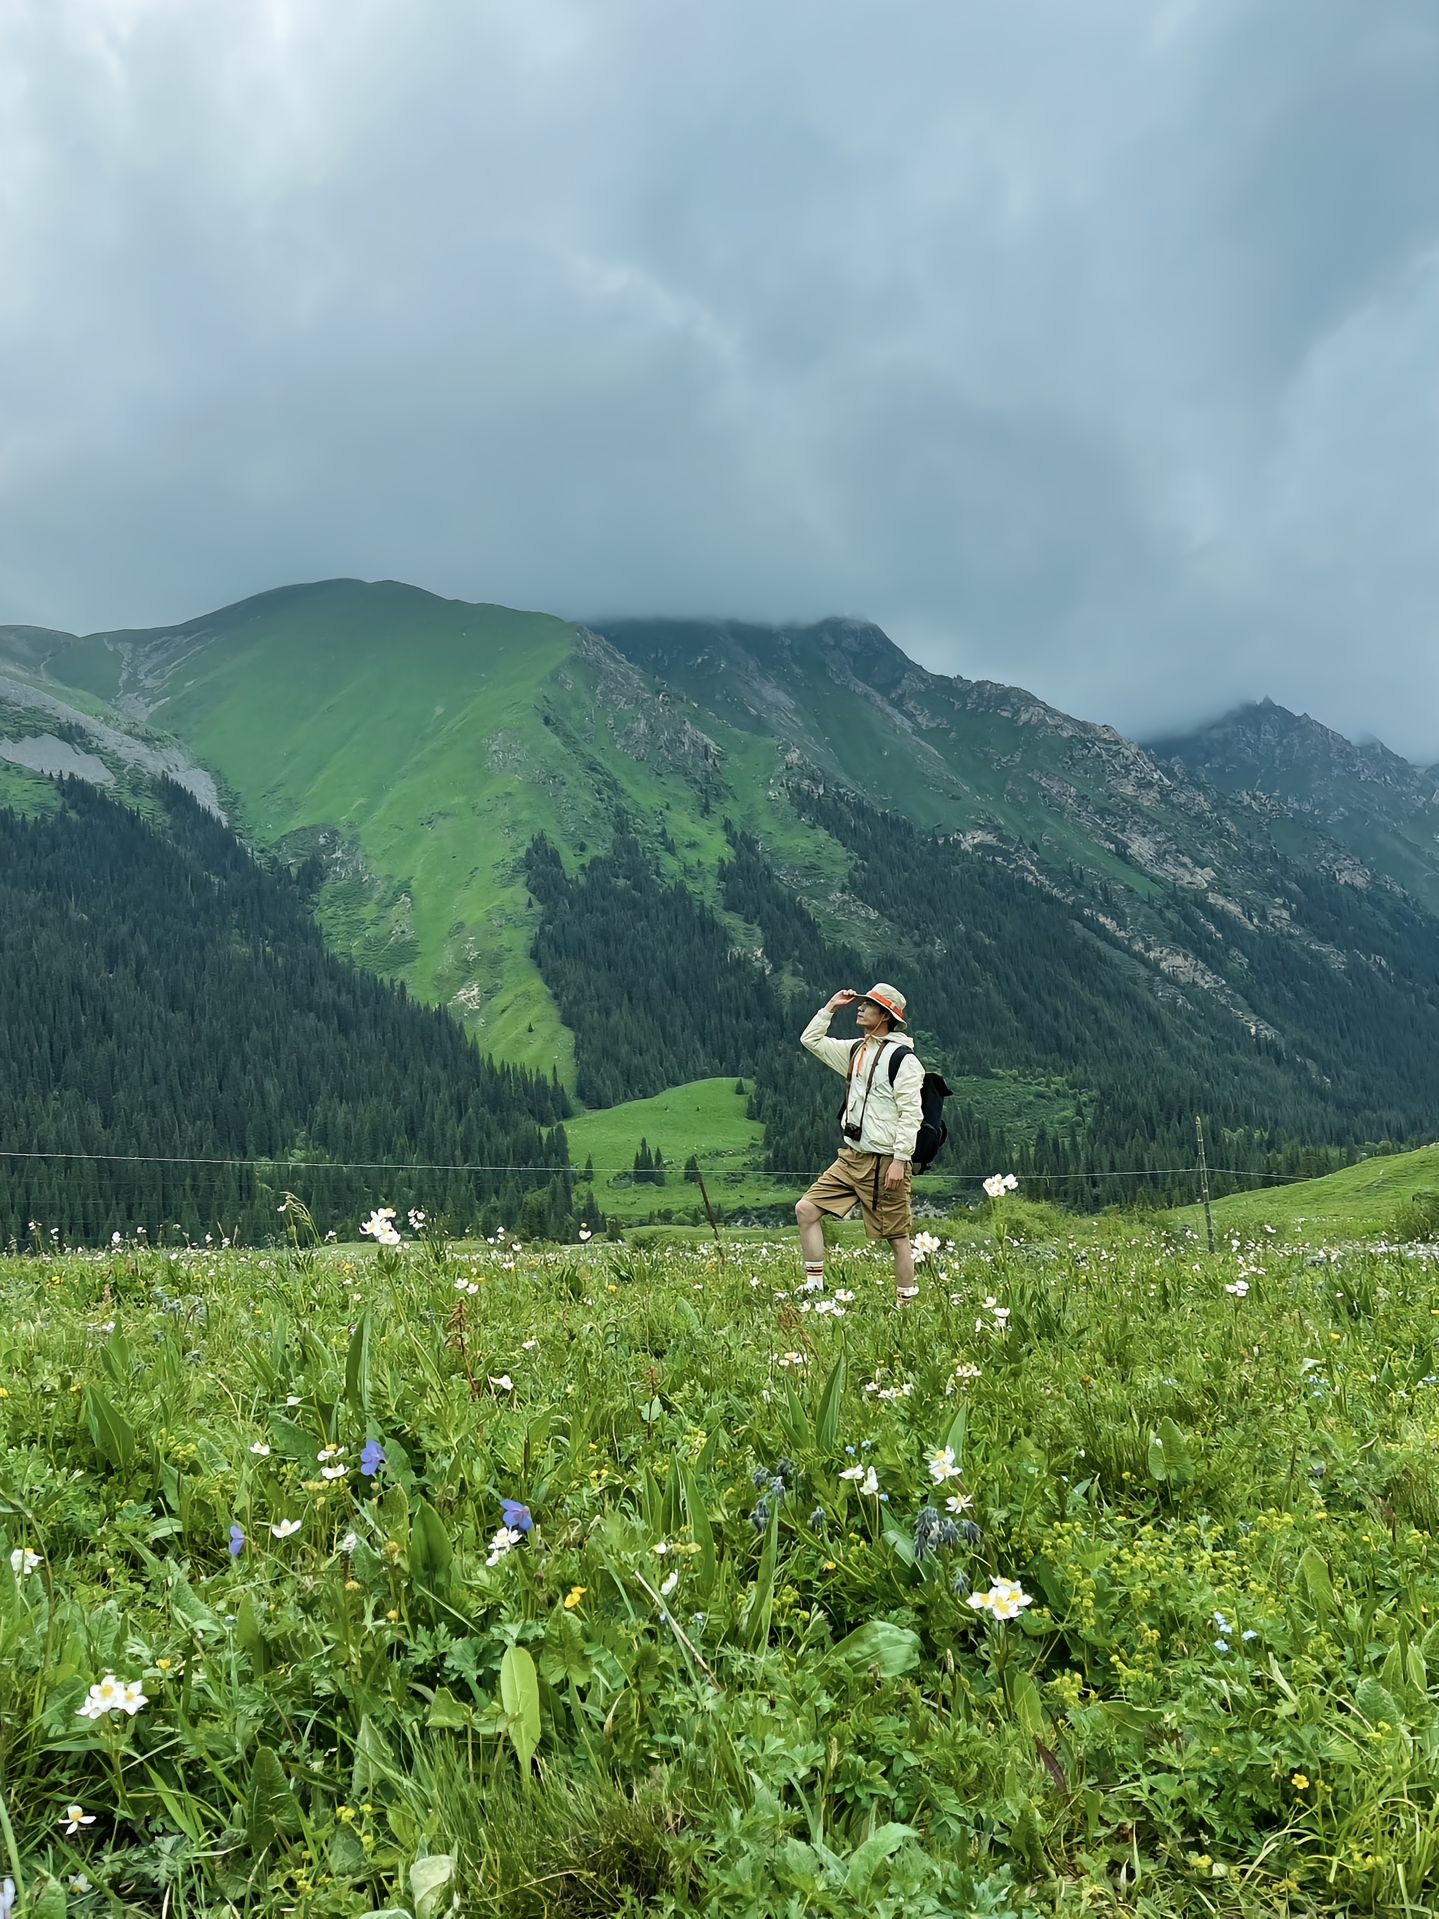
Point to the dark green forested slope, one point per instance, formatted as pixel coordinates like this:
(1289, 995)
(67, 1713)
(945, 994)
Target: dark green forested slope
(166, 996)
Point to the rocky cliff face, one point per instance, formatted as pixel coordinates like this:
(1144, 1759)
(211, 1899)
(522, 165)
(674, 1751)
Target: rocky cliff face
(1382, 810)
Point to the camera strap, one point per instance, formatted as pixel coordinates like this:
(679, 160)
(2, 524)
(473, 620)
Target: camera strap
(869, 1081)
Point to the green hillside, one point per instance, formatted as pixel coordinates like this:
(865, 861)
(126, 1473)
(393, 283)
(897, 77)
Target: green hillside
(1356, 1202)
(415, 746)
(706, 1118)
(756, 815)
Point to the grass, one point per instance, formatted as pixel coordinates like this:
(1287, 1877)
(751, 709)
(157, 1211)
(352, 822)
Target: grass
(29, 794)
(725, 1670)
(706, 1117)
(1368, 1199)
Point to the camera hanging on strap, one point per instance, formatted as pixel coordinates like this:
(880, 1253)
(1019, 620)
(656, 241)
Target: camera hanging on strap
(846, 1126)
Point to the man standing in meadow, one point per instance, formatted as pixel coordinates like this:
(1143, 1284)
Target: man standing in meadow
(879, 1123)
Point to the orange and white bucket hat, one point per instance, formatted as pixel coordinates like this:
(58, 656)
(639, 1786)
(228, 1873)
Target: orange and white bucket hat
(890, 998)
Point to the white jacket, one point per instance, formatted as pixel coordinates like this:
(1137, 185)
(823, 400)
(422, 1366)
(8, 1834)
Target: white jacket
(891, 1119)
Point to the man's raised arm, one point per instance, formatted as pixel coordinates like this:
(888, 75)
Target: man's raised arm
(834, 1052)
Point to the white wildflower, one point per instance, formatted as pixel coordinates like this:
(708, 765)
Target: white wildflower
(942, 1465)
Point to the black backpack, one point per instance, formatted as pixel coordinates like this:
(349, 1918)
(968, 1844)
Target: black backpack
(932, 1094)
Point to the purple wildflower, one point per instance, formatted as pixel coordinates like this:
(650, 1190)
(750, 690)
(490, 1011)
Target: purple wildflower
(518, 1518)
(372, 1457)
(237, 1541)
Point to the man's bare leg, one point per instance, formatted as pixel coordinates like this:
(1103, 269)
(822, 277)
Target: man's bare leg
(811, 1234)
(904, 1286)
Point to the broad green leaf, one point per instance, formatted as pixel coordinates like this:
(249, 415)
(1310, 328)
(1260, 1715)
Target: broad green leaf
(564, 1656)
(671, 1517)
(826, 1420)
(114, 1440)
(901, 1540)
(430, 1885)
(357, 1368)
(116, 1358)
(395, 1507)
(1394, 1673)
(1025, 1703)
(47, 1901)
(793, 1419)
(871, 1854)
(188, 1607)
(880, 1647)
(755, 1630)
(653, 1494)
(1376, 1704)
(1416, 1671)
(1314, 1577)
(958, 1432)
(702, 1533)
(271, 1807)
(346, 1854)
(295, 1442)
(520, 1697)
(448, 1714)
(1178, 1453)
(431, 1554)
(375, 1763)
(250, 1636)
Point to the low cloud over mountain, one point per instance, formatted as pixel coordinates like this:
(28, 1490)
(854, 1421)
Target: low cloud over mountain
(1087, 348)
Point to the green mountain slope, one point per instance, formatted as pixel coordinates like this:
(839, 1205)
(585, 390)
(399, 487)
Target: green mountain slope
(415, 746)
(1381, 808)
(1060, 901)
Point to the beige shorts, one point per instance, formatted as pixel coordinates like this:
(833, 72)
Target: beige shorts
(859, 1177)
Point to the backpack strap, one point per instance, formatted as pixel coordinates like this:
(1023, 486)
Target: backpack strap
(897, 1059)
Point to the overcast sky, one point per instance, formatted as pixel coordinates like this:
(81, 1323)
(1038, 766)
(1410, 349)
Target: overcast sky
(1087, 344)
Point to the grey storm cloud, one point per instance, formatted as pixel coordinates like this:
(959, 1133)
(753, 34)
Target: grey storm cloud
(1089, 347)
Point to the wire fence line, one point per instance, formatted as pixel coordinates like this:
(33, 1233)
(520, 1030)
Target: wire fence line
(583, 1173)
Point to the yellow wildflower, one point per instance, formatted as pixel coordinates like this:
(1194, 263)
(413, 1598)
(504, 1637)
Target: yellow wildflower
(573, 1597)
